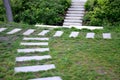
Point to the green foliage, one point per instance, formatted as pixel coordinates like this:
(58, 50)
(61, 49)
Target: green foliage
(49, 12)
(102, 12)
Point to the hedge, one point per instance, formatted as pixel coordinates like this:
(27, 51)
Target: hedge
(102, 12)
(50, 12)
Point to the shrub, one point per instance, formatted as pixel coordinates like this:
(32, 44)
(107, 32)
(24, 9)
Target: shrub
(101, 12)
(49, 12)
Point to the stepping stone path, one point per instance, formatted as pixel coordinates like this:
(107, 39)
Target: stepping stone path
(74, 34)
(90, 35)
(28, 32)
(2, 29)
(58, 34)
(31, 42)
(106, 35)
(14, 31)
(43, 33)
(75, 13)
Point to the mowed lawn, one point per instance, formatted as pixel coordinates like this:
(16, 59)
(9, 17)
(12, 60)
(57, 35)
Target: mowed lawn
(75, 58)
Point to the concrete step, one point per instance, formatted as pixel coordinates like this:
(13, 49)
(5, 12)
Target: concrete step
(72, 24)
(75, 12)
(76, 9)
(78, 0)
(74, 18)
(48, 78)
(76, 6)
(77, 3)
(75, 15)
(75, 21)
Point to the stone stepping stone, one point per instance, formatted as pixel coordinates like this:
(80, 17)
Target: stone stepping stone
(90, 35)
(2, 29)
(37, 38)
(48, 78)
(43, 33)
(28, 50)
(58, 34)
(74, 34)
(35, 68)
(28, 32)
(29, 58)
(107, 35)
(34, 43)
(14, 31)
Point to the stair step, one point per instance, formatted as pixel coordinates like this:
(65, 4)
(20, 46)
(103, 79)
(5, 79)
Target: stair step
(75, 15)
(76, 6)
(76, 9)
(75, 12)
(75, 21)
(74, 18)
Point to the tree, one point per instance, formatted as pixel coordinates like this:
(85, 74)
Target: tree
(8, 10)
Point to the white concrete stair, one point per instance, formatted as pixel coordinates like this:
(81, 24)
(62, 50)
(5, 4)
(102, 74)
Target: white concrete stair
(75, 13)
(14, 31)
(28, 32)
(35, 68)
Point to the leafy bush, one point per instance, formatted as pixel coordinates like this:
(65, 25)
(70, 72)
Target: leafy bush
(49, 12)
(101, 12)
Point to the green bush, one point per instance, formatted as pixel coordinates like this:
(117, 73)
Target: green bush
(102, 12)
(49, 12)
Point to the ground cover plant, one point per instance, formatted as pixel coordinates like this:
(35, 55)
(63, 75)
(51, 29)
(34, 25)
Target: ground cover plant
(102, 12)
(49, 12)
(75, 58)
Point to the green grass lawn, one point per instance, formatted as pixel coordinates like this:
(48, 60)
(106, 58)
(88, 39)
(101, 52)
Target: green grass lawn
(75, 58)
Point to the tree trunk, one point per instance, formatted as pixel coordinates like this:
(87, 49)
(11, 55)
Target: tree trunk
(8, 10)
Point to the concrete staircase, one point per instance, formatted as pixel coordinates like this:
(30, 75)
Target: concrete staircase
(75, 13)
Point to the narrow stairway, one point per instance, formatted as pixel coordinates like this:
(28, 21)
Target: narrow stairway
(75, 13)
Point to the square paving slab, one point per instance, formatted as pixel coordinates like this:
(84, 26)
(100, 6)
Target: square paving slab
(2, 29)
(90, 35)
(107, 35)
(58, 34)
(74, 34)
(43, 33)
(14, 31)
(28, 32)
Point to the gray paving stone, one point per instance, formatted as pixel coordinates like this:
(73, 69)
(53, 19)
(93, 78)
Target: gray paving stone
(36, 38)
(48, 78)
(29, 58)
(43, 33)
(28, 32)
(58, 34)
(74, 34)
(2, 29)
(28, 50)
(107, 35)
(34, 68)
(34, 43)
(90, 35)
(14, 31)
